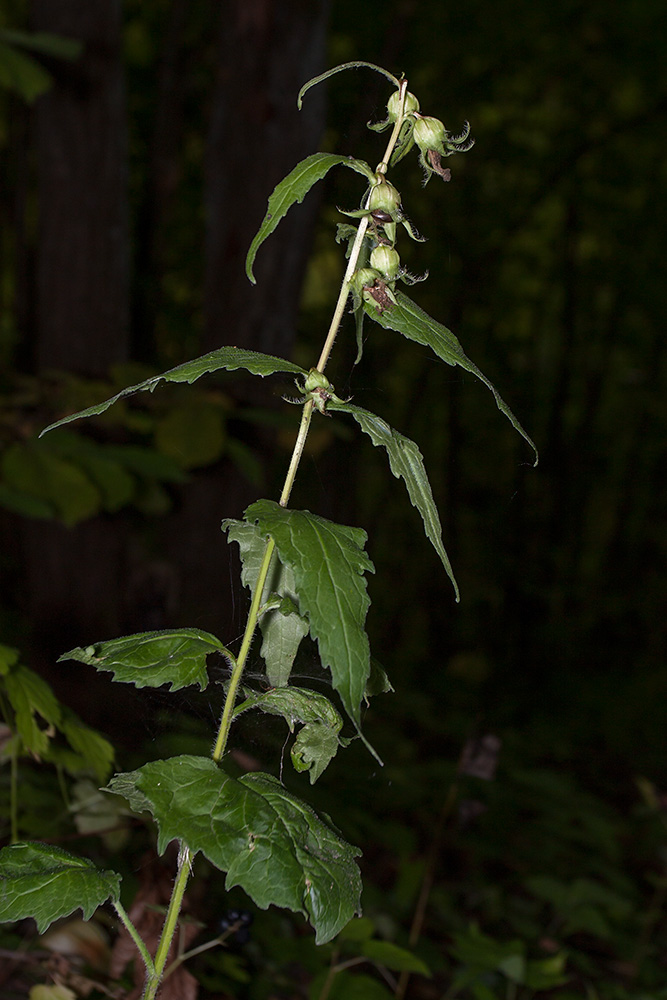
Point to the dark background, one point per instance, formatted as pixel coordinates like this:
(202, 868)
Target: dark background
(130, 193)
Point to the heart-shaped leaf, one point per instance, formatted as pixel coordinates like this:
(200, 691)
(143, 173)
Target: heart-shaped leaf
(269, 842)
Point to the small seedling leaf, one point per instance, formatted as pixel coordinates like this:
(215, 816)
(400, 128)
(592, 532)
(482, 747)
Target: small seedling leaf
(150, 659)
(271, 844)
(293, 189)
(406, 462)
(329, 563)
(46, 883)
(405, 317)
(229, 358)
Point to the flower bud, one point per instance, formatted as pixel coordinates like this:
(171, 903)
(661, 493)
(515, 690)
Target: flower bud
(394, 105)
(429, 133)
(316, 380)
(364, 277)
(385, 197)
(386, 261)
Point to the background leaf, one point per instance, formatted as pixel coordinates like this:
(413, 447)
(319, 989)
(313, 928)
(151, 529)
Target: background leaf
(406, 462)
(407, 318)
(294, 188)
(229, 358)
(282, 632)
(329, 563)
(149, 659)
(271, 844)
(45, 882)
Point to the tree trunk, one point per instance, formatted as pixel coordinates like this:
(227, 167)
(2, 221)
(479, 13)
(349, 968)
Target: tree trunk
(82, 255)
(268, 50)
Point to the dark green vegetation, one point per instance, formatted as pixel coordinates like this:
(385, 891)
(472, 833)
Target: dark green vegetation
(545, 252)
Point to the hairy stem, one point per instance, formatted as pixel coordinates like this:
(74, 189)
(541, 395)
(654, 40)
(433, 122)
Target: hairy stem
(132, 931)
(155, 971)
(154, 976)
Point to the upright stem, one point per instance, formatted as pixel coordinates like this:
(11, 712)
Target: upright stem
(154, 976)
(155, 970)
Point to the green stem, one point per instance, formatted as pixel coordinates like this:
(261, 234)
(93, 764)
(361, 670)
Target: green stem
(132, 931)
(154, 976)
(156, 972)
(251, 625)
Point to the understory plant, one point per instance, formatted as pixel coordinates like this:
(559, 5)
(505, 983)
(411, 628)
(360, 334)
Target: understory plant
(306, 576)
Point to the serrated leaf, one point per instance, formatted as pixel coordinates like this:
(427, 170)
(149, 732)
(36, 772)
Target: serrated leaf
(406, 462)
(394, 957)
(269, 843)
(356, 64)
(407, 318)
(150, 659)
(32, 700)
(329, 563)
(282, 633)
(229, 358)
(46, 883)
(313, 749)
(293, 189)
(294, 705)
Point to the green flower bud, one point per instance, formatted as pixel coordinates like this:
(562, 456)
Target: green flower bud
(394, 105)
(429, 133)
(364, 277)
(316, 380)
(385, 197)
(386, 261)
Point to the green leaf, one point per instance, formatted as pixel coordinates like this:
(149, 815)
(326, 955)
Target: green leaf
(269, 843)
(22, 73)
(294, 705)
(22, 503)
(329, 563)
(33, 468)
(192, 434)
(294, 188)
(359, 929)
(229, 358)
(32, 699)
(348, 986)
(393, 957)
(407, 318)
(44, 42)
(149, 659)
(9, 657)
(314, 748)
(45, 882)
(356, 64)
(407, 463)
(111, 479)
(282, 632)
(95, 752)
